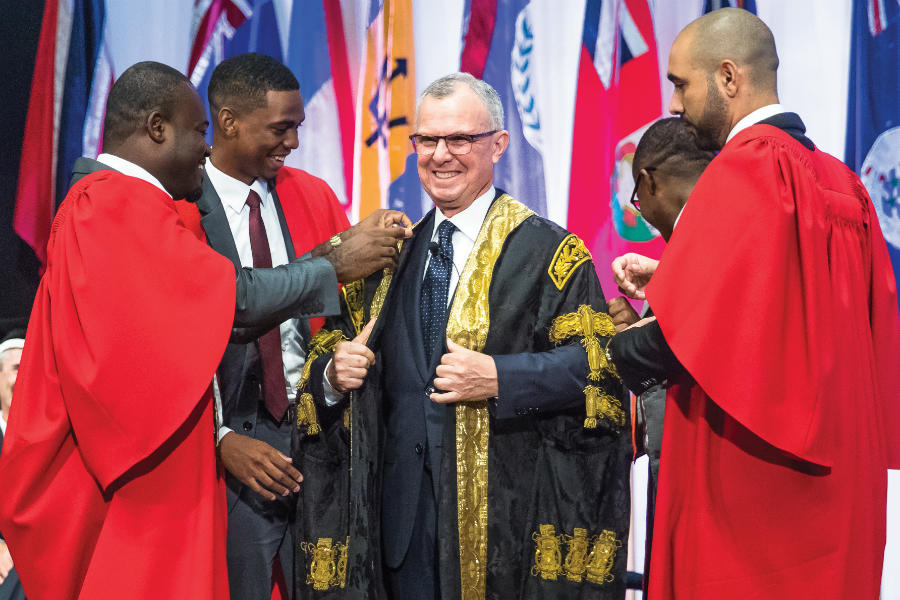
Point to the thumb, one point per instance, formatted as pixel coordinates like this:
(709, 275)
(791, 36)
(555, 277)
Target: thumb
(454, 347)
(363, 336)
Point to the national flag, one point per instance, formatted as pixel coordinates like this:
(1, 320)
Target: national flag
(214, 23)
(873, 112)
(618, 97)
(318, 57)
(711, 5)
(503, 56)
(62, 95)
(387, 176)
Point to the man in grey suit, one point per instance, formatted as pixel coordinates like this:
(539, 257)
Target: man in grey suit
(256, 111)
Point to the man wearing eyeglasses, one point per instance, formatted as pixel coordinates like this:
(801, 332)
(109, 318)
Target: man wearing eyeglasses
(490, 450)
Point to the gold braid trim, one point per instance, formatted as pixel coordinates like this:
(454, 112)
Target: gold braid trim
(579, 563)
(467, 325)
(353, 298)
(570, 254)
(600, 404)
(328, 564)
(587, 324)
(322, 343)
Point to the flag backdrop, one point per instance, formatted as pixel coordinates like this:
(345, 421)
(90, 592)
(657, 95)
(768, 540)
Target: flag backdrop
(873, 115)
(580, 81)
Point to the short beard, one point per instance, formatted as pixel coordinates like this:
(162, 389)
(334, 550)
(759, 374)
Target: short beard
(711, 126)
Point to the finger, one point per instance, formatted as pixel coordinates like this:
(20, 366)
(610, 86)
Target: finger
(348, 385)
(444, 383)
(286, 475)
(363, 336)
(443, 370)
(261, 491)
(446, 397)
(354, 358)
(345, 375)
(395, 216)
(454, 347)
(271, 485)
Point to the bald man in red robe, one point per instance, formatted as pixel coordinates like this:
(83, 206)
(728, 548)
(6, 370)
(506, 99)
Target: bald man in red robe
(776, 297)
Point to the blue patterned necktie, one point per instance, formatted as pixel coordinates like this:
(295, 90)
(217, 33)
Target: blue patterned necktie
(435, 290)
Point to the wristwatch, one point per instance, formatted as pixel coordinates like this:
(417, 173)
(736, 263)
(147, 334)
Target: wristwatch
(335, 241)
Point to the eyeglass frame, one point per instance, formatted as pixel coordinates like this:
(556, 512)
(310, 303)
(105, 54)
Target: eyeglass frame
(637, 182)
(472, 138)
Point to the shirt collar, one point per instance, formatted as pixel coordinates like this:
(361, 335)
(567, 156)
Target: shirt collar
(126, 167)
(233, 192)
(470, 219)
(760, 114)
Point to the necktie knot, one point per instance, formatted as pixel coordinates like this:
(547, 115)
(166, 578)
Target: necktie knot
(445, 235)
(253, 200)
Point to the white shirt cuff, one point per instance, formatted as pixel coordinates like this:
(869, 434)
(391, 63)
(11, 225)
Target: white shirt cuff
(332, 396)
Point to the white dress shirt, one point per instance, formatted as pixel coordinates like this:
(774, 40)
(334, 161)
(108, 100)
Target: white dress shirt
(468, 223)
(233, 194)
(2, 425)
(126, 167)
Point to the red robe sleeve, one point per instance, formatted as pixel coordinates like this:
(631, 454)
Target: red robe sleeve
(140, 314)
(745, 298)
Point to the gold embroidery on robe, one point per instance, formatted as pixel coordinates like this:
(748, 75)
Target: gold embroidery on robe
(579, 564)
(576, 557)
(322, 343)
(328, 563)
(547, 553)
(603, 555)
(569, 255)
(600, 404)
(353, 298)
(467, 325)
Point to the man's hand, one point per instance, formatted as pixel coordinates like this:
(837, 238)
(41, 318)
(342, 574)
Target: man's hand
(622, 313)
(259, 466)
(368, 246)
(465, 375)
(642, 322)
(351, 362)
(632, 273)
(6, 562)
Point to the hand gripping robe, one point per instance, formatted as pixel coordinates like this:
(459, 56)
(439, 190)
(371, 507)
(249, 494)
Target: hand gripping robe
(776, 295)
(535, 505)
(109, 477)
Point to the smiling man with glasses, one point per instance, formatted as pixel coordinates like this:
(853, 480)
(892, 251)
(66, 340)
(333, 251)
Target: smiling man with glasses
(490, 449)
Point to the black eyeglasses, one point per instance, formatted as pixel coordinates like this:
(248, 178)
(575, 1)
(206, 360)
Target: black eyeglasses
(457, 143)
(635, 201)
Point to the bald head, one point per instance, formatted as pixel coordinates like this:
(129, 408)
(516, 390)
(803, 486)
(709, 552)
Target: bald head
(739, 36)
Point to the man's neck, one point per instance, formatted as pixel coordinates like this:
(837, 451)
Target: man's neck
(227, 163)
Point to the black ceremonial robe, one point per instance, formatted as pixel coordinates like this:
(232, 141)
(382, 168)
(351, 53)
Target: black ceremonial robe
(533, 499)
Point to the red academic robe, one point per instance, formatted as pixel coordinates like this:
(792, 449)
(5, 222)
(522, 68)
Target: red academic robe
(776, 295)
(109, 480)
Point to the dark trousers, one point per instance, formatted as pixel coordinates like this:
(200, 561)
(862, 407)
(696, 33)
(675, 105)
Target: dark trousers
(416, 577)
(259, 529)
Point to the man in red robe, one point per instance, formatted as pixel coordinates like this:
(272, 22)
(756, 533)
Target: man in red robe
(776, 297)
(109, 471)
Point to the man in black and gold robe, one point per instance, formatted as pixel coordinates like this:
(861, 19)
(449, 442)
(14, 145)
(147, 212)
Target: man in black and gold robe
(472, 442)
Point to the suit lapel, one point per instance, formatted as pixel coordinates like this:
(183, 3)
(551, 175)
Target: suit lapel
(285, 232)
(215, 223)
(402, 300)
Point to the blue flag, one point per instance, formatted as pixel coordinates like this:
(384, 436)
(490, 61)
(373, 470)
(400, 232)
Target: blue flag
(873, 119)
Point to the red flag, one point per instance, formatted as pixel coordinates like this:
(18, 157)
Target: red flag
(35, 193)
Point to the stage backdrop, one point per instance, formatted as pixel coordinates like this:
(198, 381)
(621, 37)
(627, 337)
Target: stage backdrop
(580, 81)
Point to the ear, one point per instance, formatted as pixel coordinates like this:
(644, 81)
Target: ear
(500, 145)
(651, 181)
(728, 78)
(227, 121)
(156, 127)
